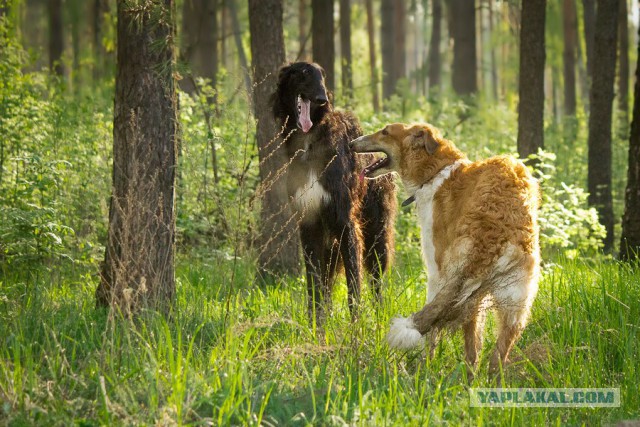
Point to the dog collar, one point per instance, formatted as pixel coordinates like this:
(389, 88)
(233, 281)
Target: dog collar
(409, 201)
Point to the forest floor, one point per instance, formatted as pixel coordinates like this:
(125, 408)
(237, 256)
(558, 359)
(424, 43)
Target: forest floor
(233, 354)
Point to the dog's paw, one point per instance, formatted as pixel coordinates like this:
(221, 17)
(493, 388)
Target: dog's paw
(403, 334)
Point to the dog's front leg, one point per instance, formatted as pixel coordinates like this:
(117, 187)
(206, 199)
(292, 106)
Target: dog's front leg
(312, 238)
(351, 252)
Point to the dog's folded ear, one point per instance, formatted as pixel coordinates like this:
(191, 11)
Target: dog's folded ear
(427, 139)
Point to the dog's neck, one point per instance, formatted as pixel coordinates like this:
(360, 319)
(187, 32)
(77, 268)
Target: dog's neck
(435, 181)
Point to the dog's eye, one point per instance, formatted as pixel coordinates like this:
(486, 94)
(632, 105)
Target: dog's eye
(305, 71)
(384, 131)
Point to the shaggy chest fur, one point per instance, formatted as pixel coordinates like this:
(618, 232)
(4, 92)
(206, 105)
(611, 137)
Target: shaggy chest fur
(306, 178)
(425, 196)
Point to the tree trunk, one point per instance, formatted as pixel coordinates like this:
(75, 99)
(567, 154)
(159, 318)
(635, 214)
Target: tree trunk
(583, 79)
(599, 141)
(345, 48)
(56, 37)
(200, 42)
(623, 70)
(494, 65)
(76, 13)
(589, 18)
(100, 8)
(630, 239)
(531, 92)
(387, 37)
(277, 245)
(569, 56)
(434, 45)
(138, 270)
(303, 29)
(399, 40)
(462, 24)
(237, 37)
(322, 38)
(372, 55)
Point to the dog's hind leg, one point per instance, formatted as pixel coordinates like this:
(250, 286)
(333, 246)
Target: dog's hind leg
(513, 296)
(378, 219)
(473, 330)
(376, 262)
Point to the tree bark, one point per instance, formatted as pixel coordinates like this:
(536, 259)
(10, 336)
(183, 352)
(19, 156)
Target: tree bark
(589, 18)
(278, 245)
(200, 42)
(623, 69)
(630, 239)
(345, 48)
(323, 49)
(387, 37)
(76, 14)
(494, 65)
(373, 69)
(100, 8)
(400, 40)
(601, 101)
(531, 86)
(569, 56)
(462, 24)
(303, 29)
(237, 37)
(138, 270)
(56, 37)
(434, 45)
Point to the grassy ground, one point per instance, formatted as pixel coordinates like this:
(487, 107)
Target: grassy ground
(234, 355)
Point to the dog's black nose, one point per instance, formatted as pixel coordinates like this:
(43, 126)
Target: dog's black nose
(321, 99)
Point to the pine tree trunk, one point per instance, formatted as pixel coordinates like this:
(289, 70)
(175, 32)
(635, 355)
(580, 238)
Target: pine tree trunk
(569, 57)
(599, 141)
(589, 18)
(138, 270)
(462, 24)
(623, 70)
(237, 37)
(322, 39)
(434, 45)
(303, 30)
(200, 42)
(56, 37)
(100, 8)
(630, 239)
(494, 64)
(278, 245)
(400, 40)
(531, 86)
(373, 69)
(75, 8)
(345, 48)
(387, 37)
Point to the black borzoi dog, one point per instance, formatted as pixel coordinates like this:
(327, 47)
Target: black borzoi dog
(344, 220)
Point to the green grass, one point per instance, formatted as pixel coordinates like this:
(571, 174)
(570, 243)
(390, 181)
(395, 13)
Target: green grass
(232, 354)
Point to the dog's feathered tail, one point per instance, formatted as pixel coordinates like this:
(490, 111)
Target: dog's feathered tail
(449, 309)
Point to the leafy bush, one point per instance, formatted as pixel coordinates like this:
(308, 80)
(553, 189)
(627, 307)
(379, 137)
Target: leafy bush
(54, 176)
(566, 221)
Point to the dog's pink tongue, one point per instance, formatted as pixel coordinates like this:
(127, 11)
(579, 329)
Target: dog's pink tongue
(303, 119)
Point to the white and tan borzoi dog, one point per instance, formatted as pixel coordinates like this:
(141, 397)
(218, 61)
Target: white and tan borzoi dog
(479, 236)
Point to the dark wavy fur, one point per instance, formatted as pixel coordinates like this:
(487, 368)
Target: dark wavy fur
(356, 226)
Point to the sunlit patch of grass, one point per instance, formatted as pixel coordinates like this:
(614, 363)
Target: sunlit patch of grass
(232, 353)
